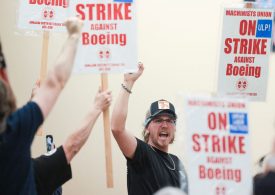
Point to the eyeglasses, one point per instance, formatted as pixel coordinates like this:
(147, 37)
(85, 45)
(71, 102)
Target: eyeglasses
(168, 121)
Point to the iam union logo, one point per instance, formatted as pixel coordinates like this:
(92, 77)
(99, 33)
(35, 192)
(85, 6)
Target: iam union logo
(48, 13)
(241, 84)
(104, 54)
(220, 190)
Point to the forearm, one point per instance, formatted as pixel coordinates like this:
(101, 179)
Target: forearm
(77, 139)
(120, 110)
(64, 62)
(49, 91)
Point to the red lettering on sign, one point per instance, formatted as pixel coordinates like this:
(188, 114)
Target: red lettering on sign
(218, 144)
(220, 174)
(218, 120)
(62, 3)
(110, 11)
(104, 39)
(254, 71)
(248, 27)
(245, 46)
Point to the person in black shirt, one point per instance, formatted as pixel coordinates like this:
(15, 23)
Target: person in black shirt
(42, 175)
(53, 169)
(18, 126)
(150, 167)
(263, 183)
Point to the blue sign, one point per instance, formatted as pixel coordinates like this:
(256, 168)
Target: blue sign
(264, 28)
(124, 1)
(238, 123)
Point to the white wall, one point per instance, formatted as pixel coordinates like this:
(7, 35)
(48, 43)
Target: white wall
(178, 42)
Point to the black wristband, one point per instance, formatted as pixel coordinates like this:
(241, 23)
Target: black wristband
(126, 89)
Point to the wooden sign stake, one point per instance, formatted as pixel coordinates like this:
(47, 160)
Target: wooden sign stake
(44, 62)
(107, 136)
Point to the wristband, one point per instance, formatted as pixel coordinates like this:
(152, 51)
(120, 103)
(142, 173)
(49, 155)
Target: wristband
(126, 89)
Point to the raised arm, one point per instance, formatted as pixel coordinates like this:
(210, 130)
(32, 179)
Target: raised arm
(127, 142)
(77, 139)
(49, 91)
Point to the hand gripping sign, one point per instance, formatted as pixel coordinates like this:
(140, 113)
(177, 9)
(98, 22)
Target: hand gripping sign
(46, 16)
(107, 45)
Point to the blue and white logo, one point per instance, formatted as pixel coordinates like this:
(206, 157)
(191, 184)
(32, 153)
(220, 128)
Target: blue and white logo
(264, 29)
(238, 123)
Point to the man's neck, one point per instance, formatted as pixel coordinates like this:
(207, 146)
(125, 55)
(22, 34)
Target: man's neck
(163, 149)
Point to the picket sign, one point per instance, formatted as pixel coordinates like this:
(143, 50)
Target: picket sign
(43, 67)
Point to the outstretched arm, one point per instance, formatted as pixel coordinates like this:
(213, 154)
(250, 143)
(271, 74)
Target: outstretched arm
(49, 91)
(77, 139)
(126, 141)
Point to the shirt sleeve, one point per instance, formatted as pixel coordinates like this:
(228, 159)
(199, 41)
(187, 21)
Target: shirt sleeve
(140, 154)
(25, 121)
(51, 171)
